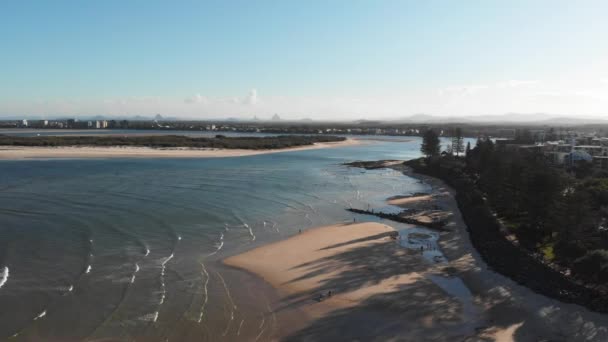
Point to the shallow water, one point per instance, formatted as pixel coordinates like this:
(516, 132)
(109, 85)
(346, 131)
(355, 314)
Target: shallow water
(128, 248)
(426, 241)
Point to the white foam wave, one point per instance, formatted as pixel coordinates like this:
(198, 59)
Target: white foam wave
(71, 288)
(205, 291)
(151, 317)
(231, 302)
(167, 259)
(42, 314)
(238, 332)
(136, 268)
(147, 251)
(163, 287)
(250, 231)
(88, 269)
(262, 328)
(179, 238)
(218, 245)
(4, 276)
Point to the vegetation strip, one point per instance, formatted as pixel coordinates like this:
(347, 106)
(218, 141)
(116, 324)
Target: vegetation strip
(171, 141)
(502, 255)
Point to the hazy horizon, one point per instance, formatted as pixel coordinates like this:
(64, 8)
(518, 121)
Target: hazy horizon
(342, 60)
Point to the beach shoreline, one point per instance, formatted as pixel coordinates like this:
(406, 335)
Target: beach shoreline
(399, 294)
(74, 152)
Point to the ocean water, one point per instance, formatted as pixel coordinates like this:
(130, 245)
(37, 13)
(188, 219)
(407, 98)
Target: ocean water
(131, 249)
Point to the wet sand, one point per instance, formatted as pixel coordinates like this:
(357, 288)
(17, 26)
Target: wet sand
(406, 201)
(74, 152)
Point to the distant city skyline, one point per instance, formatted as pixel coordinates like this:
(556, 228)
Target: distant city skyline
(338, 60)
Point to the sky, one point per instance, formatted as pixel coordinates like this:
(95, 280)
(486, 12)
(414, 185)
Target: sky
(332, 60)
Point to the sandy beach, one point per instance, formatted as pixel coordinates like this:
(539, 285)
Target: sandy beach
(73, 152)
(384, 291)
(359, 263)
(294, 265)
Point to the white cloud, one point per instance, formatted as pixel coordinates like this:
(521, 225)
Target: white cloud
(198, 98)
(517, 83)
(462, 89)
(564, 96)
(252, 97)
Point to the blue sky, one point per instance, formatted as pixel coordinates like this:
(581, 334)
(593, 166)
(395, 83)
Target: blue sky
(343, 59)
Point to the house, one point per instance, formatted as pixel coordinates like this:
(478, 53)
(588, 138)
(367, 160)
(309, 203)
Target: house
(577, 156)
(600, 162)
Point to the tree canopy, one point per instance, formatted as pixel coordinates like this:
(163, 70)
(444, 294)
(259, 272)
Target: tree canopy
(431, 145)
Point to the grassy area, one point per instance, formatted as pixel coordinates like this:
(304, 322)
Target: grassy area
(171, 141)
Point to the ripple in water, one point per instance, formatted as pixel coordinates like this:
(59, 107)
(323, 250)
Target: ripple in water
(42, 314)
(200, 317)
(136, 270)
(162, 281)
(218, 245)
(4, 276)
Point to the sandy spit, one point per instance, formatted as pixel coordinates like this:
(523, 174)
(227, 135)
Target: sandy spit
(74, 152)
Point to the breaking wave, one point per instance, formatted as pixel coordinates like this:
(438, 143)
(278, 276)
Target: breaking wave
(42, 314)
(4, 276)
(163, 287)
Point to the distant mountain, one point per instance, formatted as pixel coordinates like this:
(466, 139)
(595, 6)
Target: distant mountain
(511, 118)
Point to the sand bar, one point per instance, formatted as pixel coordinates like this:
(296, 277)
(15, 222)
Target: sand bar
(74, 152)
(373, 281)
(292, 265)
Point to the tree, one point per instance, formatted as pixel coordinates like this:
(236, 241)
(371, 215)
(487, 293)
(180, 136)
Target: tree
(457, 142)
(430, 144)
(592, 265)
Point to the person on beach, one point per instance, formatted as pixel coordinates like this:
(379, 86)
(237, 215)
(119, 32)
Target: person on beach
(329, 293)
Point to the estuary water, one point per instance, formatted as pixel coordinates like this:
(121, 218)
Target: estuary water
(131, 249)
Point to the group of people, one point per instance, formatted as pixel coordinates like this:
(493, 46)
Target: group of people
(322, 296)
(429, 247)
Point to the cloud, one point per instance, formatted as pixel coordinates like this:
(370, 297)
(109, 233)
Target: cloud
(462, 90)
(252, 97)
(517, 83)
(198, 98)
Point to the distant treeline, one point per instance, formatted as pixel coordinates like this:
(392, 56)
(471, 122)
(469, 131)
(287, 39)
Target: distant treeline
(533, 132)
(172, 141)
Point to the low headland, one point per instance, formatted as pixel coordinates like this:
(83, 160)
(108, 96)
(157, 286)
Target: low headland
(158, 146)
